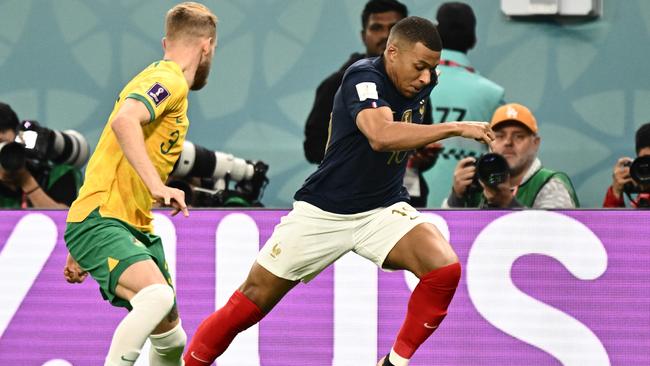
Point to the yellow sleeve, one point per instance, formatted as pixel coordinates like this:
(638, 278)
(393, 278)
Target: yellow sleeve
(161, 91)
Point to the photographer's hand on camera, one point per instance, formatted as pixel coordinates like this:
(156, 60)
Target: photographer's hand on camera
(463, 176)
(500, 196)
(24, 181)
(621, 176)
(15, 179)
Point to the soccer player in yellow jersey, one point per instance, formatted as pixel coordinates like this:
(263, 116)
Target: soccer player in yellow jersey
(109, 231)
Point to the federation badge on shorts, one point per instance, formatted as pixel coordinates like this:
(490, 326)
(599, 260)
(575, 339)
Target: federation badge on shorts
(157, 93)
(275, 251)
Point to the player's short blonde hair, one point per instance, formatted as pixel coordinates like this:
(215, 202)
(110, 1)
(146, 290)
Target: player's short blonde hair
(191, 20)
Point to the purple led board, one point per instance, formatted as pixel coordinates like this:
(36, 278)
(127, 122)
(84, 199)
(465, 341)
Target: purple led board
(538, 288)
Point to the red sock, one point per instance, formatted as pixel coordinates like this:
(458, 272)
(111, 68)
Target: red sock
(427, 307)
(219, 329)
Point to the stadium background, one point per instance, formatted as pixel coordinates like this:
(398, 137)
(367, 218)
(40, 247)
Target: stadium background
(63, 63)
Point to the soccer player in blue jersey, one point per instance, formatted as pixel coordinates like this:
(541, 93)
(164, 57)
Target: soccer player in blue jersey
(355, 201)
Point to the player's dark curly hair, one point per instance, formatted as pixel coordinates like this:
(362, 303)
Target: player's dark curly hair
(642, 137)
(415, 29)
(382, 6)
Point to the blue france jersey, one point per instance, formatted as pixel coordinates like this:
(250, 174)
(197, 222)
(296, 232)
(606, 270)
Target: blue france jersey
(353, 177)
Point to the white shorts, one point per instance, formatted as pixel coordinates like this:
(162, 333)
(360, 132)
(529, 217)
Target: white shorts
(308, 239)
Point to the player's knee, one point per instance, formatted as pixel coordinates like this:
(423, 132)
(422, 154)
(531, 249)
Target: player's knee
(168, 346)
(445, 254)
(158, 298)
(438, 248)
(448, 256)
(446, 277)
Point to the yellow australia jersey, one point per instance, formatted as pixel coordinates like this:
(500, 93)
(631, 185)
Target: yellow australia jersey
(111, 183)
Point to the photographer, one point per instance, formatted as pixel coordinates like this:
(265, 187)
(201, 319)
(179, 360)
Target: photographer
(463, 94)
(30, 185)
(622, 180)
(526, 182)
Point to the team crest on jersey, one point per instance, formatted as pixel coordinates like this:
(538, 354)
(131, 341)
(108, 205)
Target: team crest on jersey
(157, 93)
(407, 116)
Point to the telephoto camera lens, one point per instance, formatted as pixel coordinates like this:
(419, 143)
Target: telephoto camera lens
(61, 147)
(12, 156)
(640, 170)
(70, 147)
(640, 173)
(217, 170)
(197, 161)
(492, 169)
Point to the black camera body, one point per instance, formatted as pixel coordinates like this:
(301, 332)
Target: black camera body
(492, 169)
(640, 173)
(40, 147)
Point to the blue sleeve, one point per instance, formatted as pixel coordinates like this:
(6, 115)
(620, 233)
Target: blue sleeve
(361, 90)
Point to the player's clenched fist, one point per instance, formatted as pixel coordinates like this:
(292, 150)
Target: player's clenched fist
(72, 271)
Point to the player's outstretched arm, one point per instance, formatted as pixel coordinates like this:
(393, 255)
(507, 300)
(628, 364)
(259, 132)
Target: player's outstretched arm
(384, 135)
(128, 131)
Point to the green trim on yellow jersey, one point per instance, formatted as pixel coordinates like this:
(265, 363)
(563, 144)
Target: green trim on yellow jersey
(152, 113)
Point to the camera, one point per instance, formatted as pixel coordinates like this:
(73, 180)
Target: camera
(38, 145)
(492, 169)
(12, 156)
(640, 173)
(216, 170)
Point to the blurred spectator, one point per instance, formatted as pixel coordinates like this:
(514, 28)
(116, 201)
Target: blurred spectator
(32, 185)
(528, 184)
(622, 181)
(377, 19)
(462, 93)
